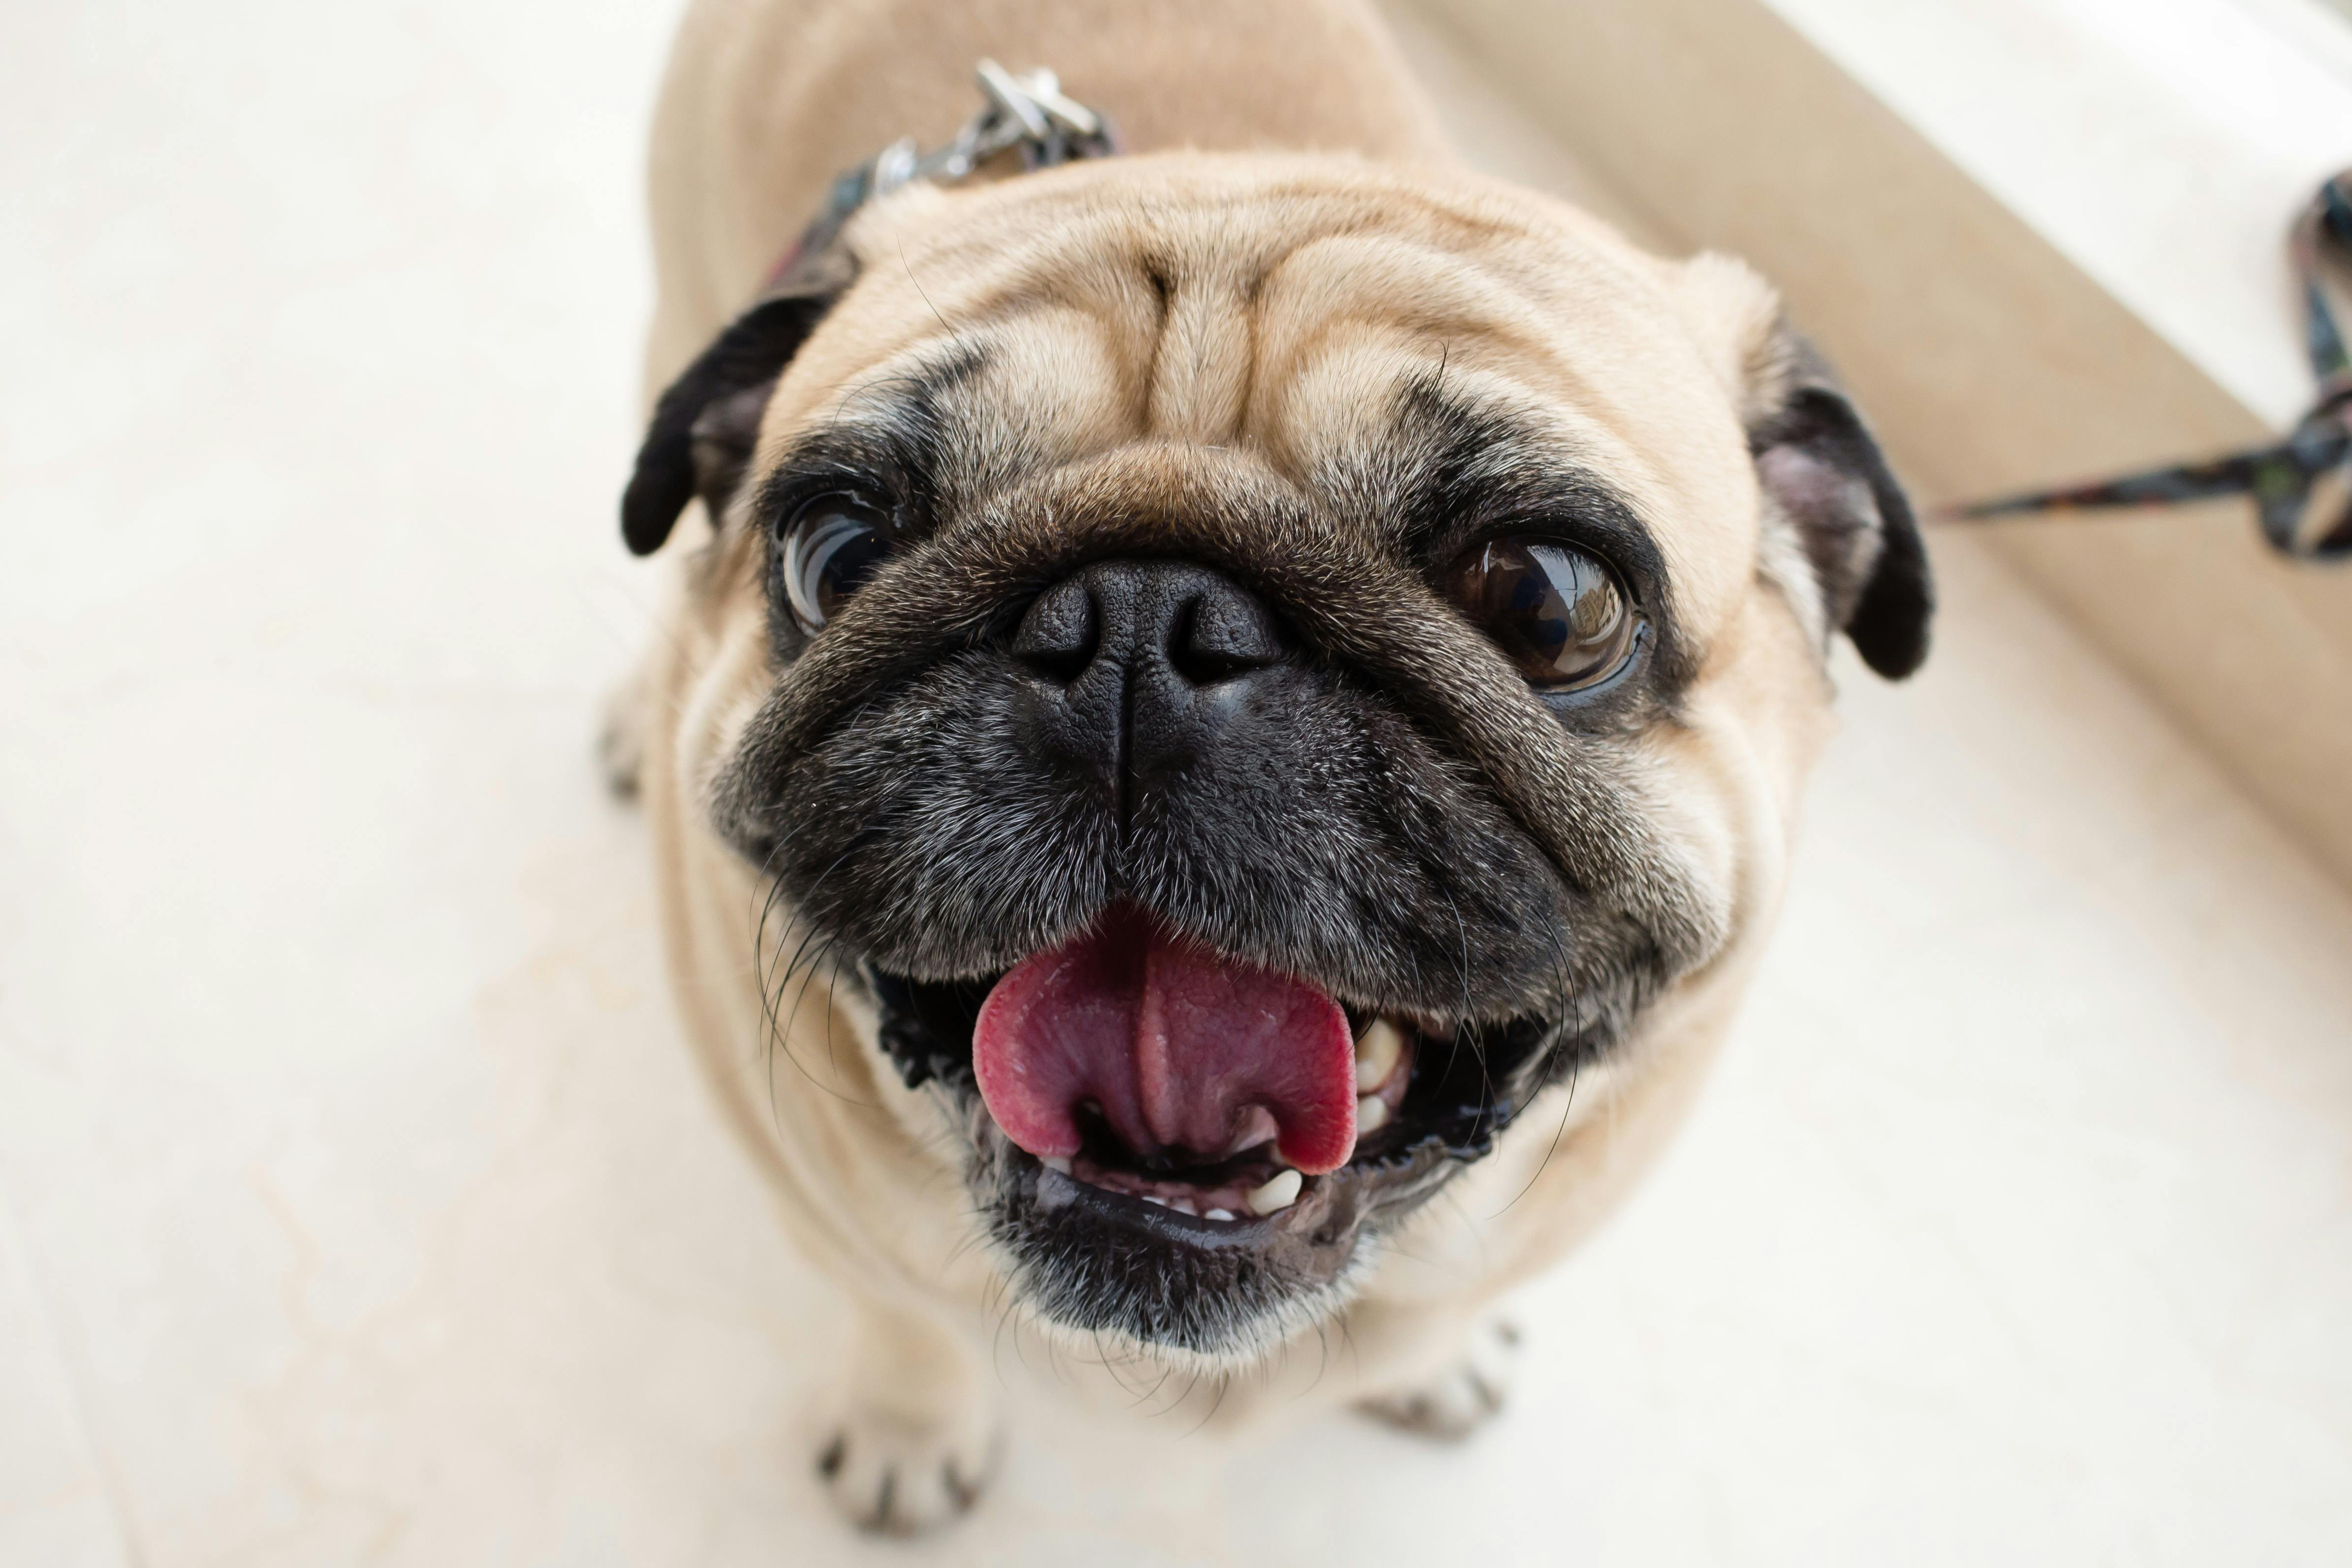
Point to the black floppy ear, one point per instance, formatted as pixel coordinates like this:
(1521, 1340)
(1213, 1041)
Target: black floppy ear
(1818, 462)
(706, 423)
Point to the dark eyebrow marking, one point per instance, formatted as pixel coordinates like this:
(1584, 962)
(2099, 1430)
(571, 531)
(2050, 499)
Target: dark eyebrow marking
(900, 442)
(1468, 473)
(1470, 466)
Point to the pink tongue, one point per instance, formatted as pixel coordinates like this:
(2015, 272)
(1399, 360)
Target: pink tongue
(1180, 1050)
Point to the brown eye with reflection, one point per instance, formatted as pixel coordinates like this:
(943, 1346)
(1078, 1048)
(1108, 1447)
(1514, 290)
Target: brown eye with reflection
(1556, 612)
(832, 545)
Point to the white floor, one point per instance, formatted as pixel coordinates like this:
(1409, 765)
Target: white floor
(357, 1203)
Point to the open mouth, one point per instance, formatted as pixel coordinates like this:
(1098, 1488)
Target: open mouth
(1132, 1087)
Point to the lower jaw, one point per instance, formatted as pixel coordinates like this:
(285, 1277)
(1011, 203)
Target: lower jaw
(1374, 1184)
(1105, 1272)
(1109, 1266)
(1088, 1251)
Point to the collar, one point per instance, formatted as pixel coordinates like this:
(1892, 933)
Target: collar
(1026, 115)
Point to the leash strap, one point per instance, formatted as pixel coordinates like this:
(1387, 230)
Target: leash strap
(2301, 487)
(1026, 115)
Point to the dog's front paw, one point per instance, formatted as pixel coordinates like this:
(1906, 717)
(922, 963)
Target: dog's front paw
(1464, 1395)
(899, 1477)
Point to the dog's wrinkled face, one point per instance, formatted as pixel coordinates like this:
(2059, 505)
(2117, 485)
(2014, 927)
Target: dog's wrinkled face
(1260, 679)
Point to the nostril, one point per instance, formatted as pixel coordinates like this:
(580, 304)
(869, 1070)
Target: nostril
(1059, 633)
(1221, 634)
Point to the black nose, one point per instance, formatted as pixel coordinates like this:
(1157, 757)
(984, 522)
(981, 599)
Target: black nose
(1141, 669)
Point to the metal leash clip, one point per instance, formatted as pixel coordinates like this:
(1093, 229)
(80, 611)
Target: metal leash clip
(1027, 114)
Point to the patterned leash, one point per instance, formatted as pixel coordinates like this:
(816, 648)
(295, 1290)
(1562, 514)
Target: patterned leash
(2302, 488)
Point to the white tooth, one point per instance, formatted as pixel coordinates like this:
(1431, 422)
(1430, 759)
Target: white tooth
(1056, 1162)
(1218, 1213)
(1371, 1114)
(1184, 1206)
(1279, 1193)
(1154, 1198)
(1376, 1055)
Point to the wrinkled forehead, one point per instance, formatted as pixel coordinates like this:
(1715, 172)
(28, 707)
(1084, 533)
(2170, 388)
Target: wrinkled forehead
(1351, 335)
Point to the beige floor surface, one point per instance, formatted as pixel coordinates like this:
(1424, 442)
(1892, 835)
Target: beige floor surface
(357, 1203)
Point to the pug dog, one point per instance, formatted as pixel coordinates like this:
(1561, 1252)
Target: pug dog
(1230, 718)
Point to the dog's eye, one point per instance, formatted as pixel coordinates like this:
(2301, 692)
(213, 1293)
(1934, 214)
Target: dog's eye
(1556, 612)
(832, 546)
